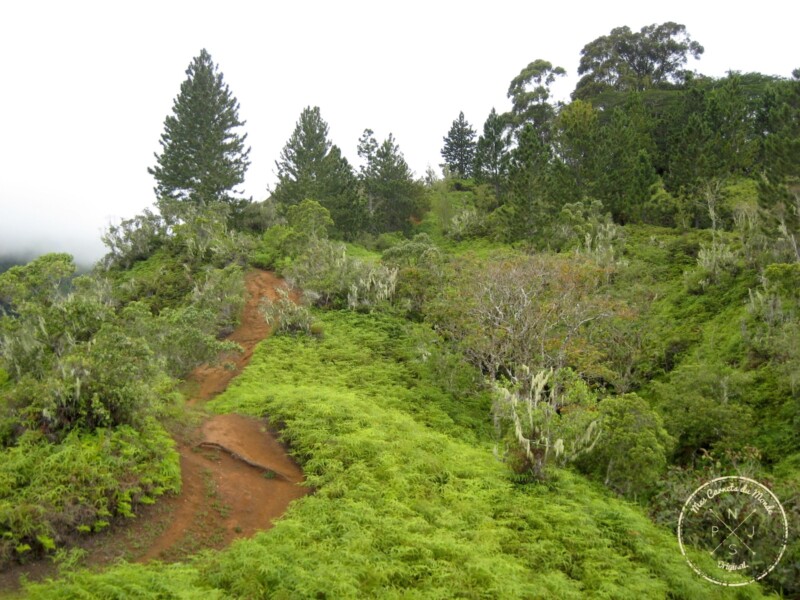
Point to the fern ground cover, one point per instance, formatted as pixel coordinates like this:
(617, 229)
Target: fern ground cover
(409, 500)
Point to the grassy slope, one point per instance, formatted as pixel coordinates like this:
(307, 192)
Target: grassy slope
(409, 501)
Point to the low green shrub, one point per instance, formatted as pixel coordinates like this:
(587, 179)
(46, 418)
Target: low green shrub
(51, 492)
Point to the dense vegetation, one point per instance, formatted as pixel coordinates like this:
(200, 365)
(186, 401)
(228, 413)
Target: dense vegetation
(503, 383)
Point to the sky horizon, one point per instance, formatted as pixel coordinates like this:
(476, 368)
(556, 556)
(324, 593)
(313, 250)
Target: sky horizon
(90, 83)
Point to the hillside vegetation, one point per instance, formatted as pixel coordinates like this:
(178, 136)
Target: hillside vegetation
(503, 383)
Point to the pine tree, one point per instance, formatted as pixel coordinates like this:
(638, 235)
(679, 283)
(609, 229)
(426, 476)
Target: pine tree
(491, 153)
(393, 196)
(340, 195)
(623, 183)
(301, 160)
(310, 167)
(459, 148)
(203, 156)
(529, 209)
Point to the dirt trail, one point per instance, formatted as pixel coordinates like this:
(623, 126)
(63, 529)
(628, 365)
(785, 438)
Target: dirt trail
(236, 477)
(208, 381)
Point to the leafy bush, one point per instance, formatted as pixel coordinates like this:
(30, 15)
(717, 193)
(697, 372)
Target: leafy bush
(285, 315)
(255, 217)
(222, 293)
(418, 251)
(331, 278)
(420, 271)
(631, 453)
(702, 409)
(773, 327)
(466, 223)
(275, 249)
(84, 382)
(180, 338)
(204, 237)
(133, 240)
(50, 492)
(545, 419)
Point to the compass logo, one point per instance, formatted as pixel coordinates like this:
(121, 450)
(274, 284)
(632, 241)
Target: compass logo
(732, 531)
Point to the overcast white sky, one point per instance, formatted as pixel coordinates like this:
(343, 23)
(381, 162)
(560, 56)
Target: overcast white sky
(88, 84)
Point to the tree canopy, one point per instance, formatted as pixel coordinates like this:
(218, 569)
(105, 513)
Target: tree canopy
(491, 152)
(311, 167)
(627, 60)
(459, 147)
(300, 166)
(203, 155)
(529, 93)
(392, 194)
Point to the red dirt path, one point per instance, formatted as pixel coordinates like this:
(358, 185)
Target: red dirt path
(236, 477)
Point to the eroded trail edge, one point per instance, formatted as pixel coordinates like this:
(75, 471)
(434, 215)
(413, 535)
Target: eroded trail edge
(236, 477)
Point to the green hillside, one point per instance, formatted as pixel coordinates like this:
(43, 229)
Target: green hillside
(502, 383)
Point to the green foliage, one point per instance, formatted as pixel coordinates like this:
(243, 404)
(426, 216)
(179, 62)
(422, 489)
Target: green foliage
(491, 153)
(420, 272)
(392, 195)
(278, 244)
(77, 362)
(458, 151)
(309, 222)
(311, 167)
(546, 418)
(418, 251)
(128, 581)
(301, 159)
(85, 379)
(203, 157)
(133, 240)
(309, 219)
(529, 92)
(184, 259)
(625, 183)
(220, 292)
(779, 192)
(584, 227)
(181, 338)
(530, 207)
(631, 453)
(409, 499)
(255, 217)
(627, 60)
(38, 282)
(771, 334)
(284, 315)
(577, 144)
(48, 492)
(402, 508)
(329, 277)
(204, 237)
(664, 209)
